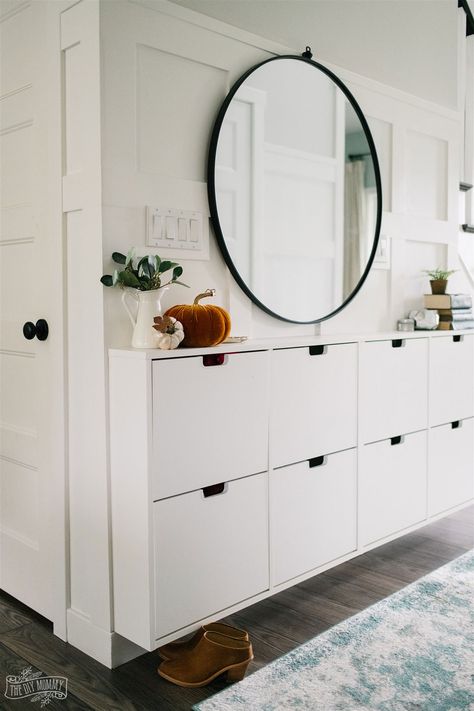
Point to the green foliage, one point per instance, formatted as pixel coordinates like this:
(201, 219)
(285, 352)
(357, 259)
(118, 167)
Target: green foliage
(145, 274)
(436, 274)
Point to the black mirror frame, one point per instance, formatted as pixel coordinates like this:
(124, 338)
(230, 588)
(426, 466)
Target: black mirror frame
(212, 192)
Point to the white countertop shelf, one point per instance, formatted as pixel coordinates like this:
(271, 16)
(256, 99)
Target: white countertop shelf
(262, 344)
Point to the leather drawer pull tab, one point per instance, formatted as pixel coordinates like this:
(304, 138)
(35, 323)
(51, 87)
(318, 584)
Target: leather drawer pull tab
(316, 461)
(398, 343)
(455, 425)
(213, 489)
(457, 339)
(213, 359)
(396, 440)
(317, 350)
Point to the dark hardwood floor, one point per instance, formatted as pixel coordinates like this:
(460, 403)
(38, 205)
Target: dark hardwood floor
(276, 625)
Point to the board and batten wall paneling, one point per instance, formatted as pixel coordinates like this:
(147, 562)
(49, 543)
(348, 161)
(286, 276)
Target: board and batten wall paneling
(427, 163)
(189, 110)
(165, 79)
(423, 162)
(89, 615)
(165, 73)
(418, 150)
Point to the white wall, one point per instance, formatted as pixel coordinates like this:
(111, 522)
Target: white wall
(418, 144)
(164, 80)
(165, 73)
(407, 44)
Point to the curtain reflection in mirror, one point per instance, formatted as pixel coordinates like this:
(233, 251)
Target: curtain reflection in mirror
(354, 224)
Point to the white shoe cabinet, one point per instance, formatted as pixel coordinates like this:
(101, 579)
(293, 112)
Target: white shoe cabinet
(237, 471)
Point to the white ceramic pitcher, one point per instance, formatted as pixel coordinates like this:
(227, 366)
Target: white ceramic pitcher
(148, 305)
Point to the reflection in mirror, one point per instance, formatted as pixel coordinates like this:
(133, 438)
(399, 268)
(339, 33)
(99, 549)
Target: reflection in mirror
(466, 250)
(294, 182)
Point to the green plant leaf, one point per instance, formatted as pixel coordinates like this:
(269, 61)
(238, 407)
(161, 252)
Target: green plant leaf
(129, 279)
(119, 258)
(129, 258)
(439, 273)
(115, 278)
(177, 271)
(164, 266)
(153, 261)
(107, 280)
(143, 268)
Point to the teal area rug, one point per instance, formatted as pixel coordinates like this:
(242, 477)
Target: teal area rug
(413, 651)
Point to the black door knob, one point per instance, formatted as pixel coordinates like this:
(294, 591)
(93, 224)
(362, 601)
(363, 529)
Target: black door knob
(40, 330)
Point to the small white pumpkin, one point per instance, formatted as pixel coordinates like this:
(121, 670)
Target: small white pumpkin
(170, 332)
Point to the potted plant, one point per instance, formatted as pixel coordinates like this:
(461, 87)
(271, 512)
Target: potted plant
(142, 280)
(439, 279)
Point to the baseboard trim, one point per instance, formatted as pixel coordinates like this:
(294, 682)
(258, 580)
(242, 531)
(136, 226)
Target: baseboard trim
(108, 648)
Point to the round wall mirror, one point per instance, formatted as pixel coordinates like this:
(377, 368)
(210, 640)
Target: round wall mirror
(294, 189)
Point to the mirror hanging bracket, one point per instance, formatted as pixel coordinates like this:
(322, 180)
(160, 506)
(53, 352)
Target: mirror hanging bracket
(307, 53)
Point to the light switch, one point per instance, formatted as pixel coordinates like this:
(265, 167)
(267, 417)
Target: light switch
(157, 226)
(382, 256)
(182, 229)
(176, 231)
(194, 230)
(171, 227)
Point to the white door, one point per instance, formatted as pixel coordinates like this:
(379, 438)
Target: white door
(32, 474)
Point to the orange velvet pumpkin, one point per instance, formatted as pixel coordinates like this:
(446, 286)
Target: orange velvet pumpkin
(203, 325)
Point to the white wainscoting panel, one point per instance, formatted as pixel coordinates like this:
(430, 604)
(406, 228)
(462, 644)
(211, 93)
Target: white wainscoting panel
(426, 172)
(164, 110)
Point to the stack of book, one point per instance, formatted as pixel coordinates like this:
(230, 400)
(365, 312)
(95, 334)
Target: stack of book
(455, 310)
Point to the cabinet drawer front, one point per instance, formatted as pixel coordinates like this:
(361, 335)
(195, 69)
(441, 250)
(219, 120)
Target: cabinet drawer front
(451, 379)
(393, 388)
(313, 514)
(221, 428)
(451, 466)
(314, 402)
(210, 553)
(392, 486)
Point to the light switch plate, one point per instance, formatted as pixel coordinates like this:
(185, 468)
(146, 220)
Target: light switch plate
(177, 233)
(382, 259)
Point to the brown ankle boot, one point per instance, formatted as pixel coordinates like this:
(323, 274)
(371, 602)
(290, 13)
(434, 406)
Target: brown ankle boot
(175, 649)
(213, 655)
